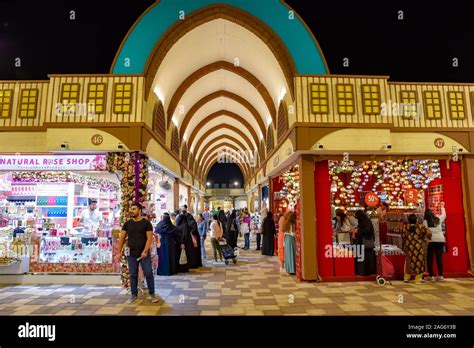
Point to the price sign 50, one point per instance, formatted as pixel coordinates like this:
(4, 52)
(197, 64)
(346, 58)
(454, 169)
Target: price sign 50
(372, 199)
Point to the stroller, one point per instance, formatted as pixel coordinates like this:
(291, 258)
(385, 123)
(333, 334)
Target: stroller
(228, 252)
(385, 268)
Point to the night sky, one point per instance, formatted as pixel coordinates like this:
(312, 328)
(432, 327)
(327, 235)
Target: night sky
(419, 48)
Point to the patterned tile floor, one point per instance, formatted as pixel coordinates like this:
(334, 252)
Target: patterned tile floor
(252, 287)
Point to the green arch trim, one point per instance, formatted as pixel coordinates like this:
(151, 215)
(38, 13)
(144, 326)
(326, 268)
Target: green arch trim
(299, 41)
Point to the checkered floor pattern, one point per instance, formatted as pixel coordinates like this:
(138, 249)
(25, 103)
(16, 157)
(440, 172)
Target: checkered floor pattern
(252, 287)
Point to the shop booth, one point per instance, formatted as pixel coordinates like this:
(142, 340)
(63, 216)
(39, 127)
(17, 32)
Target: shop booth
(407, 187)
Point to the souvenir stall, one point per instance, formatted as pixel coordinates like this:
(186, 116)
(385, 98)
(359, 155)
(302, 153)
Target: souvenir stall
(183, 195)
(160, 193)
(285, 193)
(46, 204)
(406, 186)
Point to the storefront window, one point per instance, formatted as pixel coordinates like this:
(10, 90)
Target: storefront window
(58, 216)
(161, 197)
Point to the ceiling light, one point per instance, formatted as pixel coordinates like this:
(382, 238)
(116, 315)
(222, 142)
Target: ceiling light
(282, 95)
(159, 94)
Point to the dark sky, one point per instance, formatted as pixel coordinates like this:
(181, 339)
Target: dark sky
(225, 173)
(419, 48)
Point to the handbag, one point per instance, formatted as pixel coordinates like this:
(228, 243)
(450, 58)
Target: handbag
(368, 243)
(183, 259)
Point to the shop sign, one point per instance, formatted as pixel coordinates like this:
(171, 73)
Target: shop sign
(411, 196)
(53, 162)
(372, 199)
(439, 143)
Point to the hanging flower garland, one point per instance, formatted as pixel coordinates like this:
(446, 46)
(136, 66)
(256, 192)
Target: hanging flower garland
(64, 177)
(389, 178)
(134, 182)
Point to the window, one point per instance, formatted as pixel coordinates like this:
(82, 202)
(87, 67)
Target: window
(432, 104)
(159, 125)
(409, 102)
(270, 139)
(319, 98)
(175, 141)
(371, 99)
(345, 99)
(123, 98)
(28, 103)
(282, 121)
(6, 98)
(70, 97)
(96, 96)
(184, 154)
(456, 105)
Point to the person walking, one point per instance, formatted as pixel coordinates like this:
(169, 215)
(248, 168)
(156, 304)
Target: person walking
(216, 236)
(245, 230)
(290, 244)
(365, 238)
(139, 234)
(202, 224)
(414, 235)
(233, 229)
(269, 232)
(436, 245)
(169, 242)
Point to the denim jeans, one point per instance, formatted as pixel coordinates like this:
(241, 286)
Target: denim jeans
(147, 271)
(203, 249)
(259, 240)
(247, 241)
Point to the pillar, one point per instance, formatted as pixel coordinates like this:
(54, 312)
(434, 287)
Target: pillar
(189, 200)
(176, 194)
(309, 268)
(468, 197)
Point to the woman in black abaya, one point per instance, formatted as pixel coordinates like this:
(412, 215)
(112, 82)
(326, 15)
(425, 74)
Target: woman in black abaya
(365, 237)
(167, 252)
(269, 232)
(186, 243)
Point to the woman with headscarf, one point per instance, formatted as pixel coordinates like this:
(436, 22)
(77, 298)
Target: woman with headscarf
(290, 243)
(167, 252)
(186, 243)
(365, 237)
(269, 232)
(414, 236)
(232, 229)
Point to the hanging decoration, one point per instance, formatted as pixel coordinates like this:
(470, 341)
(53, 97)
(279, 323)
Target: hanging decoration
(63, 177)
(290, 192)
(389, 179)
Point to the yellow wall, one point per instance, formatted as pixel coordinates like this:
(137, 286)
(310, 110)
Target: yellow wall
(159, 154)
(13, 142)
(283, 153)
(81, 140)
(371, 141)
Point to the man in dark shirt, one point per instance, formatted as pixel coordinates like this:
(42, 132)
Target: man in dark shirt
(139, 234)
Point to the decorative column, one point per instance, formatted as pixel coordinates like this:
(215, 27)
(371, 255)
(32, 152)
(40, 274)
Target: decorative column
(176, 194)
(309, 268)
(468, 195)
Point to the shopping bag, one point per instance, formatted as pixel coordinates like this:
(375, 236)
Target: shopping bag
(183, 259)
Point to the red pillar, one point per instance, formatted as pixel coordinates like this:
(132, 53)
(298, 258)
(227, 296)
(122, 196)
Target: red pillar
(456, 259)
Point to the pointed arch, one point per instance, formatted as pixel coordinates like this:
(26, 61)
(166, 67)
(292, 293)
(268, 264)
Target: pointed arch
(282, 126)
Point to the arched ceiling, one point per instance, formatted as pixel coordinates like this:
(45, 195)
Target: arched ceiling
(222, 72)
